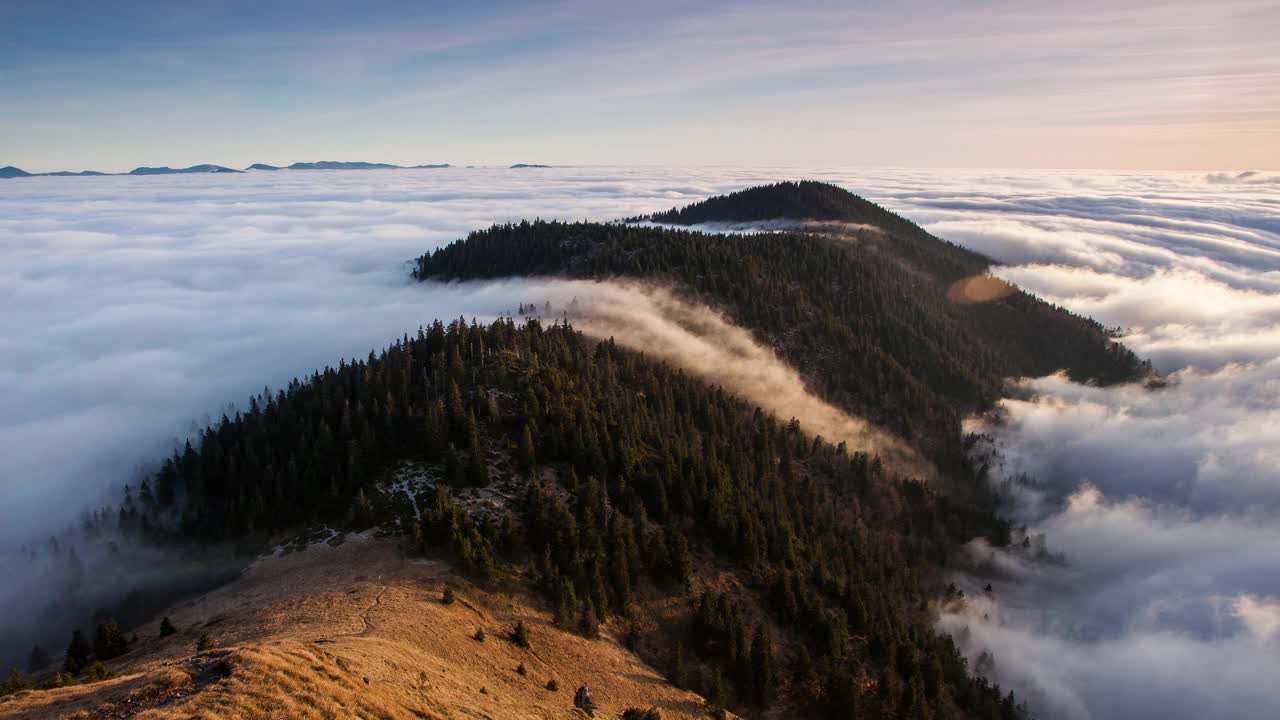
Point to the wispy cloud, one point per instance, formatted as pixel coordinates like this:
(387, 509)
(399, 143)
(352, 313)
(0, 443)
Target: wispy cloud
(1135, 83)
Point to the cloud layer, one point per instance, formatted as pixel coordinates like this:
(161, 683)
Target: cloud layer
(134, 308)
(1146, 587)
(1187, 265)
(656, 321)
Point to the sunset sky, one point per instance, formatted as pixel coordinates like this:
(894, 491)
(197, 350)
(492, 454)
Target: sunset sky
(1125, 84)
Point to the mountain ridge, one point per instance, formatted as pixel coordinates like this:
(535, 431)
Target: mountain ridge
(12, 172)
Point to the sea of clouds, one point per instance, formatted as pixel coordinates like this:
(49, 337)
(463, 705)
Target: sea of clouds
(1149, 587)
(133, 309)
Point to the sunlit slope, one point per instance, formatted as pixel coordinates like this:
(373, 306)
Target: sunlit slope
(357, 630)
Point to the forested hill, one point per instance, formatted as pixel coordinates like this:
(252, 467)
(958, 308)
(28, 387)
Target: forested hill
(809, 201)
(630, 476)
(874, 331)
(803, 200)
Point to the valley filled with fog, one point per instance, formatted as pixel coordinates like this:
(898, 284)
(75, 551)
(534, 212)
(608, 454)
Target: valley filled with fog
(136, 309)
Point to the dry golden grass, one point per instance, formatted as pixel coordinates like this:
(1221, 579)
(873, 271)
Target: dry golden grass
(358, 632)
(289, 680)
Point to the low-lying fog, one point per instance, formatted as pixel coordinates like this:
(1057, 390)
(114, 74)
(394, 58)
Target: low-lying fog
(134, 308)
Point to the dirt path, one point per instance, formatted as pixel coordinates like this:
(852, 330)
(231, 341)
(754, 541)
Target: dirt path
(365, 624)
(364, 616)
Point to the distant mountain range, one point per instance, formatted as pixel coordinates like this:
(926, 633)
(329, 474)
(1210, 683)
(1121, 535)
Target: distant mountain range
(14, 172)
(181, 171)
(337, 165)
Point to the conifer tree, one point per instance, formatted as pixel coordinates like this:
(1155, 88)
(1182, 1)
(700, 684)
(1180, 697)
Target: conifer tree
(14, 683)
(679, 674)
(520, 635)
(764, 670)
(108, 641)
(589, 622)
(77, 655)
(37, 660)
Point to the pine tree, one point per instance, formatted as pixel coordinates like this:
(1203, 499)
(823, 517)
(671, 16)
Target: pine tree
(37, 660)
(108, 641)
(528, 457)
(764, 670)
(679, 674)
(717, 698)
(77, 655)
(565, 601)
(14, 683)
(520, 635)
(588, 622)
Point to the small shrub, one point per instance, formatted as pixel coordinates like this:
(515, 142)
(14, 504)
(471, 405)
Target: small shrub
(447, 597)
(172, 679)
(520, 669)
(520, 635)
(63, 679)
(479, 635)
(97, 672)
(167, 628)
(638, 714)
(204, 643)
(552, 685)
(484, 691)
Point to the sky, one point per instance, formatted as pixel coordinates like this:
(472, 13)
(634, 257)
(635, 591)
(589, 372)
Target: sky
(135, 309)
(1116, 84)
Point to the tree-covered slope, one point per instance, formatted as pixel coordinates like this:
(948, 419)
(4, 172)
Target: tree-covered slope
(873, 329)
(630, 474)
(832, 210)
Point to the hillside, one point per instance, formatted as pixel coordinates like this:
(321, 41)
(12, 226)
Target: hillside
(775, 573)
(608, 487)
(880, 316)
(357, 630)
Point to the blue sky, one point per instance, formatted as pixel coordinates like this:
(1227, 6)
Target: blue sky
(1129, 84)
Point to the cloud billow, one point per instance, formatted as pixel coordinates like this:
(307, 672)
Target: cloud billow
(1146, 587)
